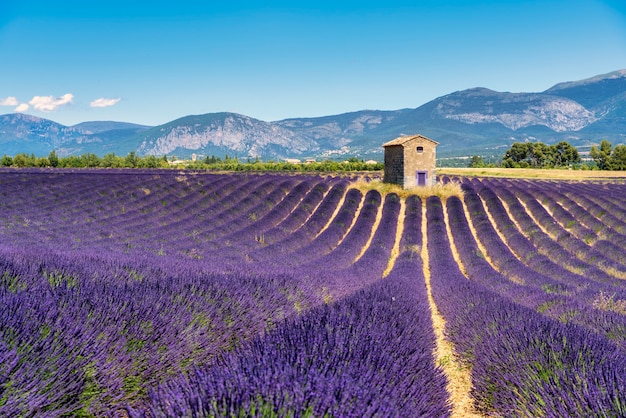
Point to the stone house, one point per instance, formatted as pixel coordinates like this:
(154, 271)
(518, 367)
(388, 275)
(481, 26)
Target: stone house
(410, 161)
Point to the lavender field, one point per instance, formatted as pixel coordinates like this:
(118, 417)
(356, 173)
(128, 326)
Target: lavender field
(160, 293)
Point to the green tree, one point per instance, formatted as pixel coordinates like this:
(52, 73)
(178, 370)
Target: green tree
(618, 158)
(90, 160)
(71, 161)
(526, 154)
(602, 156)
(6, 161)
(53, 158)
(539, 155)
(19, 160)
(477, 162)
(563, 154)
(151, 161)
(25, 160)
(517, 153)
(111, 160)
(212, 160)
(131, 160)
(43, 162)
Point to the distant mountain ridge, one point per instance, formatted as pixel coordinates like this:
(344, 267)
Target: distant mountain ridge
(104, 126)
(515, 110)
(476, 121)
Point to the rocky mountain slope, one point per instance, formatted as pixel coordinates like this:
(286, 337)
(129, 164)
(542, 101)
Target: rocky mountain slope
(474, 121)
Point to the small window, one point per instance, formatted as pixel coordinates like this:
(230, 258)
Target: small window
(420, 149)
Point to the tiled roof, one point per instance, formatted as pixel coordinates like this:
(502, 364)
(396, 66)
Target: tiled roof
(403, 139)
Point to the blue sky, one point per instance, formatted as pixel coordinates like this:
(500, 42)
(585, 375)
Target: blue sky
(150, 62)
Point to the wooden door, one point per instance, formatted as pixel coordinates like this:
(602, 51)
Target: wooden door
(422, 178)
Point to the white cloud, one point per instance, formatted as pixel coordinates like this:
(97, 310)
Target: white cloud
(50, 103)
(23, 107)
(102, 102)
(9, 101)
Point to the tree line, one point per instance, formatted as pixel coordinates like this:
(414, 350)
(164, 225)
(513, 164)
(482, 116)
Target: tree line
(560, 155)
(540, 155)
(87, 160)
(233, 164)
(132, 160)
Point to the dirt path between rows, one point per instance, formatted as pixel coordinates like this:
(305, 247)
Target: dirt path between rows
(458, 376)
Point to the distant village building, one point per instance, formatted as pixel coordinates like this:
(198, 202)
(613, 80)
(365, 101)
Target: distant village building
(410, 161)
(292, 161)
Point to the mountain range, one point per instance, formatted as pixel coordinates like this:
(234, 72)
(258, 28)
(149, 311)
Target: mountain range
(477, 121)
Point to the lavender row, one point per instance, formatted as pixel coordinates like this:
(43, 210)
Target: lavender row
(525, 245)
(572, 194)
(258, 203)
(355, 239)
(613, 228)
(606, 254)
(559, 306)
(279, 241)
(369, 268)
(606, 195)
(245, 235)
(237, 211)
(376, 258)
(321, 196)
(592, 258)
(327, 240)
(369, 354)
(616, 246)
(569, 214)
(518, 270)
(94, 336)
(74, 207)
(607, 219)
(156, 227)
(523, 363)
(190, 308)
(554, 279)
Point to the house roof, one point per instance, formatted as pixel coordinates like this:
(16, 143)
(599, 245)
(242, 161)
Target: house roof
(403, 139)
